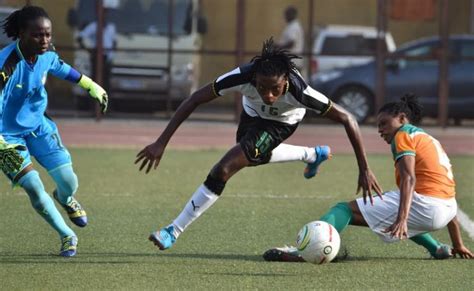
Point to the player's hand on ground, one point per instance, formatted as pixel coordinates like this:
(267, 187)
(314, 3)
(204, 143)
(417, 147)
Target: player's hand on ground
(150, 156)
(462, 252)
(10, 159)
(368, 183)
(398, 229)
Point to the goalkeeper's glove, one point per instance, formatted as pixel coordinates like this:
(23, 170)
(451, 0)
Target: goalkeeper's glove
(95, 90)
(10, 159)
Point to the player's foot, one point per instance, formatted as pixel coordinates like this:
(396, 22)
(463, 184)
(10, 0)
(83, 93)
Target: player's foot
(443, 252)
(163, 238)
(322, 153)
(283, 254)
(68, 246)
(74, 210)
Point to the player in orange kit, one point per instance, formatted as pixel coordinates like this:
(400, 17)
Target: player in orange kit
(425, 200)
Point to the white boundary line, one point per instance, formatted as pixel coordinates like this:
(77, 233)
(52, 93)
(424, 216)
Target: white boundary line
(466, 223)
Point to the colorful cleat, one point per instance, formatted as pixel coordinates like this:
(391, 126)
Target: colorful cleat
(284, 254)
(68, 246)
(322, 153)
(74, 210)
(442, 252)
(163, 239)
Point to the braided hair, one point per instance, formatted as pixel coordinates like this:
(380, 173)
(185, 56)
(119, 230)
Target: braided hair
(18, 20)
(408, 104)
(273, 61)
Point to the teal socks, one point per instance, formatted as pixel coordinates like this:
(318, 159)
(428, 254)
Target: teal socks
(427, 241)
(339, 216)
(43, 204)
(66, 183)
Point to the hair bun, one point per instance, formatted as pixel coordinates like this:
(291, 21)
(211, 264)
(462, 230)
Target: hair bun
(409, 98)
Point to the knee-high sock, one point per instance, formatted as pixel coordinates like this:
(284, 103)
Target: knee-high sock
(339, 216)
(43, 204)
(201, 200)
(289, 153)
(66, 183)
(427, 241)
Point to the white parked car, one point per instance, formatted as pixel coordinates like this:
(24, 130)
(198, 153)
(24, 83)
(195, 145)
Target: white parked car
(339, 46)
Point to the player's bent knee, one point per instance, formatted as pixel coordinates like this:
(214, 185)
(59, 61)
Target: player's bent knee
(220, 172)
(34, 187)
(66, 180)
(31, 182)
(216, 185)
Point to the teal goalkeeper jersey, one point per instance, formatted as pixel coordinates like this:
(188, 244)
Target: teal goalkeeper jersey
(23, 95)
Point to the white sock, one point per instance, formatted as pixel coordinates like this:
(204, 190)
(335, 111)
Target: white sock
(201, 200)
(289, 153)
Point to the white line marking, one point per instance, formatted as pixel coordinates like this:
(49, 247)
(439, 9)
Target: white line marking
(466, 223)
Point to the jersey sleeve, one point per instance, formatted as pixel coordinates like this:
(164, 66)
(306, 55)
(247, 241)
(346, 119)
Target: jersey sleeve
(402, 145)
(58, 67)
(307, 96)
(232, 81)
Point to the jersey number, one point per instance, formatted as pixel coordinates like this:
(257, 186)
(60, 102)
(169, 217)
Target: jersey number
(443, 158)
(271, 110)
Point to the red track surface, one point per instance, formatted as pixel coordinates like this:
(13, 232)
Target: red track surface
(198, 135)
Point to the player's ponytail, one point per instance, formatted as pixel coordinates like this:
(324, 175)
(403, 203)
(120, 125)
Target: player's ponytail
(18, 20)
(273, 61)
(412, 108)
(408, 104)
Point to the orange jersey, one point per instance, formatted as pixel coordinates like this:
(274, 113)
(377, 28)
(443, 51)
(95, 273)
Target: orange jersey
(434, 176)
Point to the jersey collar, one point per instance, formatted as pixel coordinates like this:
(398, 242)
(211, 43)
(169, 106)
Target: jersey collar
(18, 50)
(22, 57)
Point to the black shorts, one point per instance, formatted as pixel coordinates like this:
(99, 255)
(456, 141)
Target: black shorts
(258, 137)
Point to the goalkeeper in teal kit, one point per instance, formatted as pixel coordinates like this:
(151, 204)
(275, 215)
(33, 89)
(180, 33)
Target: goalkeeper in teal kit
(25, 129)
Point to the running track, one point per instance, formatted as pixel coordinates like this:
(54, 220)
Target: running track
(135, 134)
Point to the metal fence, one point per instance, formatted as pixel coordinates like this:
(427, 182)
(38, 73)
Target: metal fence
(153, 88)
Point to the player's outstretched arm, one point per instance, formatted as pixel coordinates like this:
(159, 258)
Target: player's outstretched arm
(95, 90)
(10, 159)
(367, 180)
(406, 167)
(458, 245)
(151, 155)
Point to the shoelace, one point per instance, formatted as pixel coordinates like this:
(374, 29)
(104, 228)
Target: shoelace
(74, 206)
(67, 243)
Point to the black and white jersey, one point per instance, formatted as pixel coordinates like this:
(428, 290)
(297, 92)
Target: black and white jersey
(290, 108)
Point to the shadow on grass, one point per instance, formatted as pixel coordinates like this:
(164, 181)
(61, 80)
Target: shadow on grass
(137, 258)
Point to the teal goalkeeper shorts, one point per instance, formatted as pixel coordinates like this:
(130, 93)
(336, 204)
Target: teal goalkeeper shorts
(44, 144)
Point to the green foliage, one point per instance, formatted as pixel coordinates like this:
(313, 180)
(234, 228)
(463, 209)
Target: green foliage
(261, 207)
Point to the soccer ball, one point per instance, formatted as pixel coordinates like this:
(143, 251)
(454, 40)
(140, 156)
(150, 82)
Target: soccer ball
(318, 242)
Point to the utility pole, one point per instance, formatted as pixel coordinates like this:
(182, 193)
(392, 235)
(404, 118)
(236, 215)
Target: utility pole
(443, 84)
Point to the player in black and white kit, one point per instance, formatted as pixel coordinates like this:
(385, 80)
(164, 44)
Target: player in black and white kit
(275, 99)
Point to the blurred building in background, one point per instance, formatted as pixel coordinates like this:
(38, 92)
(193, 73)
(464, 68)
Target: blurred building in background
(235, 30)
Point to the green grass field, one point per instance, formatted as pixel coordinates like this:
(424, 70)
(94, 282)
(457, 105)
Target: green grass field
(260, 208)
